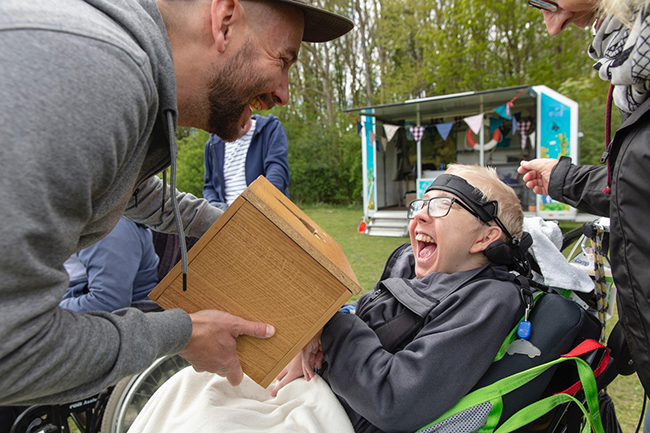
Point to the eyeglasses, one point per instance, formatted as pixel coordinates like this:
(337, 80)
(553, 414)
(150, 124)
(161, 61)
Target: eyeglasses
(548, 6)
(437, 207)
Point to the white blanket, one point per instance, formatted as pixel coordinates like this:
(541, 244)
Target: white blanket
(205, 402)
(557, 271)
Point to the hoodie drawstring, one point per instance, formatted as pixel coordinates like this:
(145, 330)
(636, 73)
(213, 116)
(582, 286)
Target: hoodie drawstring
(177, 213)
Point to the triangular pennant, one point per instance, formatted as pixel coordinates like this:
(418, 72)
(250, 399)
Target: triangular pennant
(514, 125)
(373, 137)
(532, 139)
(494, 124)
(390, 131)
(444, 129)
(474, 122)
(523, 127)
(503, 111)
(359, 126)
(417, 132)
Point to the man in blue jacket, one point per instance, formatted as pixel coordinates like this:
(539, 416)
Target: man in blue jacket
(262, 149)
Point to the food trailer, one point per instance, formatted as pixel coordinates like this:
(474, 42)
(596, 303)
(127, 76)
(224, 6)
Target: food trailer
(407, 145)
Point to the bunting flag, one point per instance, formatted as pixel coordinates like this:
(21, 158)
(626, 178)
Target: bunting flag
(359, 127)
(514, 125)
(532, 139)
(505, 110)
(474, 122)
(390, 130)
(417, 132)
(494, 124)
(444, 129)
(373, 137)
(523, 127)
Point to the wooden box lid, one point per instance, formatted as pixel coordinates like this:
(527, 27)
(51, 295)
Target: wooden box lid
(264, 260)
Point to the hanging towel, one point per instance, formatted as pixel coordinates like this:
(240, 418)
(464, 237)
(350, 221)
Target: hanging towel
(556, 269)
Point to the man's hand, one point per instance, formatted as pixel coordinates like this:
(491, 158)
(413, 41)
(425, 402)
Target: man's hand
(213, 347)
(538, 173)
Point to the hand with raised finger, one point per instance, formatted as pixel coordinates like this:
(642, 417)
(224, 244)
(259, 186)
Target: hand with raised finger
(537, 173)
(213, 346)
(290, 373)
(312, 356)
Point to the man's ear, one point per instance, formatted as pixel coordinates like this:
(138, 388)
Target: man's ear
(491, 234)
(223, 14)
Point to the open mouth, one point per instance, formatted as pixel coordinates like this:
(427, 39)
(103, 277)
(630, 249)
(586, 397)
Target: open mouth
(256, 104)
(426, 246)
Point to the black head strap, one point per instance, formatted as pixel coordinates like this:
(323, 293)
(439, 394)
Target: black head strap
(512, 253)
(485, 210)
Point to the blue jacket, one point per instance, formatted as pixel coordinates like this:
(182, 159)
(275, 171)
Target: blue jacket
(268, 155)
(120, 270)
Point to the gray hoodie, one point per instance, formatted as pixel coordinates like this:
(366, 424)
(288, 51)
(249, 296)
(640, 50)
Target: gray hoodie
(87, 105)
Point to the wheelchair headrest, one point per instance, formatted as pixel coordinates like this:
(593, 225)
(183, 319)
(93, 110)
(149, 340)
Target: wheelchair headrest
(511, 254)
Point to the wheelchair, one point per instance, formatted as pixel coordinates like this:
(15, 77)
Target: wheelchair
(115, 409)
(592, 311)
(111, 411)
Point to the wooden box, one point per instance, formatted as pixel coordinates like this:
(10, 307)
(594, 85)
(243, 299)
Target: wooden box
(264, 260)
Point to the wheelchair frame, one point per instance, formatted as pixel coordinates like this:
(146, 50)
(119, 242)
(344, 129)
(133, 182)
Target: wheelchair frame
(111, 411)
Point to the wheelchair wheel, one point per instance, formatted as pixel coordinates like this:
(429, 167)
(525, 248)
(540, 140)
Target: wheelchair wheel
(39, 419)
(131, 394)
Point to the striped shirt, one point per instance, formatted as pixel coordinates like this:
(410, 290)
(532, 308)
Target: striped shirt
(234, 165)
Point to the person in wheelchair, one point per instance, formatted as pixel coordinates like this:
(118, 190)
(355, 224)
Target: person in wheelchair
(117, 272)
(423, 338)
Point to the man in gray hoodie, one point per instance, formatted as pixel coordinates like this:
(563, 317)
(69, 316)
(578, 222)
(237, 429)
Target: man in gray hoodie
(90, 94)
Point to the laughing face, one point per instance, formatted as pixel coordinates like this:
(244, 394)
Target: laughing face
(231, 97)
(448, 244)
(256, 77)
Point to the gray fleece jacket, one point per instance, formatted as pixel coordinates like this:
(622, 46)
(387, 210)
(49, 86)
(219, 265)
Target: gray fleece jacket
(462, 321)
(87, 98)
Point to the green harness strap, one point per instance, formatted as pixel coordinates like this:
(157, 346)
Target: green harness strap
(532, 412)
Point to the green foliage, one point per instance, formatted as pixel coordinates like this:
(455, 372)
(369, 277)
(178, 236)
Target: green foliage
(191, 143)
(591, 94)
(402, 49)
(325, 164)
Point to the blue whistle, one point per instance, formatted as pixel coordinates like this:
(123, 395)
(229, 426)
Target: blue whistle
(523, 331)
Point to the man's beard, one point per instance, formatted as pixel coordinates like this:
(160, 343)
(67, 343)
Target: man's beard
(231, 91)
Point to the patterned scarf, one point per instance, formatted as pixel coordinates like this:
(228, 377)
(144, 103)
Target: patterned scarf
(623, 58)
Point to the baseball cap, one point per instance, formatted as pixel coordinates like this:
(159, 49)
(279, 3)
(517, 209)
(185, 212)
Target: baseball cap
(320, 25)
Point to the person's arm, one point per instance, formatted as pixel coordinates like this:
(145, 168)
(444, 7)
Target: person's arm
(580, 186)
(576, 185)
(112, 265)
(446, 359)
(147, 208)
(276, 156)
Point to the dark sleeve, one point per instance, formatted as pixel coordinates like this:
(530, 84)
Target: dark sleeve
(209, 193)
(112, 265)
(407, 390)
(276, 157)
(580, 186)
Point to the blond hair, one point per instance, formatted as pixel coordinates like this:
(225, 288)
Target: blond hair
(623, 10)
(485, 179)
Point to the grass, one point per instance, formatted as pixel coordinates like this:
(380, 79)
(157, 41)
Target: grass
(367, 256)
